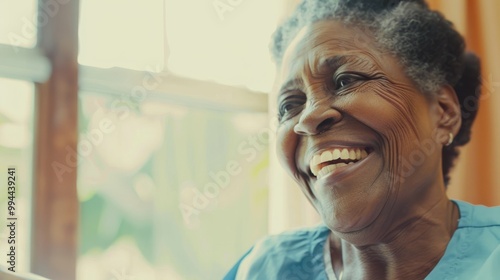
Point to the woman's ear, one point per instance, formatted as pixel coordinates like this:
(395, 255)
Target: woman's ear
(449, 116)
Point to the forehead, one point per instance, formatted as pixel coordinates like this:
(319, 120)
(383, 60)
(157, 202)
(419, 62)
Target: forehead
(323, 40)
(330, 34)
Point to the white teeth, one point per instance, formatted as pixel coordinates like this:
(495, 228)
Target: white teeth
(315, 164)
(344, 154)
(329, 168)
(355, 154)
(336, 154)
(316, 160)
(325, 170)
(326, 156)
(352, 154)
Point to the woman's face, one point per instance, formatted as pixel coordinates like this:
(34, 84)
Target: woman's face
(355, 132)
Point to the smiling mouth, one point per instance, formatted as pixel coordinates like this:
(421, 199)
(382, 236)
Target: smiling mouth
(327, 161)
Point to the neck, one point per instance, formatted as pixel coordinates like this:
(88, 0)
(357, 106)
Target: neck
(409, 251)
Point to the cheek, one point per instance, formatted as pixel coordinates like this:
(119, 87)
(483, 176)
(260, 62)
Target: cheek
(286, 146)
(391, 109)
(404, 117)
(397, 113)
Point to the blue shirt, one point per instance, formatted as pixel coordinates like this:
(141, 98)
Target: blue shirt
(473, 252)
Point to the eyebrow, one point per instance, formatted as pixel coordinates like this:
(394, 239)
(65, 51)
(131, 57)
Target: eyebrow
(333, 62)
(297, 82)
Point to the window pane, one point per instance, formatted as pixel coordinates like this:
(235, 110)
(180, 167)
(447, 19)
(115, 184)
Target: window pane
(19, 21)
(16, 150)
(223, 41)
(116, 33)
(168, 192)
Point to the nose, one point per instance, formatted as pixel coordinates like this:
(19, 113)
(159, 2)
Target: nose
(317, 118)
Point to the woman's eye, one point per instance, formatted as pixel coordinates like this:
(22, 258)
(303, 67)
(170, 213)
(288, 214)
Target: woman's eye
(344, 80)
(288, 106)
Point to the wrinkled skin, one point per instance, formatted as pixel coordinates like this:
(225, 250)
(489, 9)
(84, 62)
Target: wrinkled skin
(388, 220)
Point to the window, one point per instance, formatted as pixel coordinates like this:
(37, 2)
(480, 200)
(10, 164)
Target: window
(19, 23)
(156, 194)
(132, 38)
(173, 143)
(17, 35)
(209, 40)
(172, 149)
(16, 134)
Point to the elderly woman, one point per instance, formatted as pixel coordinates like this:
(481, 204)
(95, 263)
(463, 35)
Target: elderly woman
(370, 121)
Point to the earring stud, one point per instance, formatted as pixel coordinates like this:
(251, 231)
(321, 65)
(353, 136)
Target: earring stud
(450, 140)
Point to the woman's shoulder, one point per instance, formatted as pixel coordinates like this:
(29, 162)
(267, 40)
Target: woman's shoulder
(302, 236)
(304, 241)
(291, 253)
(474, 250)
(478, 216)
